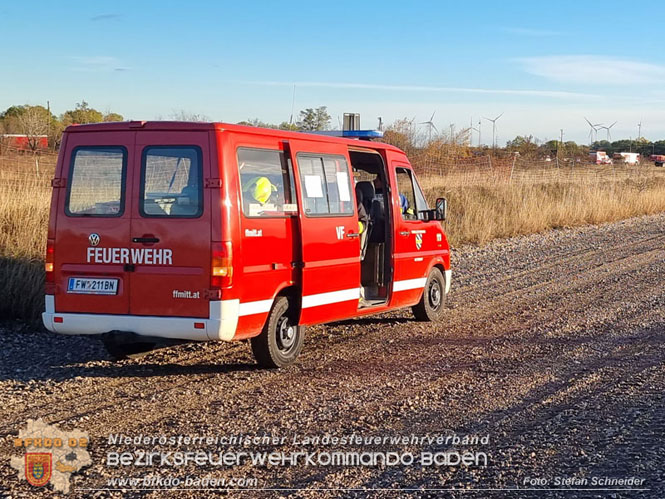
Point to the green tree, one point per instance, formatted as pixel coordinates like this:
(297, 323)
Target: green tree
(32, 121)
(525, 145)
(314, 119)
(285, 125)
(108, 117)
(81, 115)
(257, 123)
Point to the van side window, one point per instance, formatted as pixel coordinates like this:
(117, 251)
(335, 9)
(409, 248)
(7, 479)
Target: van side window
(407, 195)
(171, 182)
(96, 182)
(326, 185)
(266, 183)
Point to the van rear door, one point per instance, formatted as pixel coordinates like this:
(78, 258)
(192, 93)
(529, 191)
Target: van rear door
(330, 277)
(170, 226)
(93, 224)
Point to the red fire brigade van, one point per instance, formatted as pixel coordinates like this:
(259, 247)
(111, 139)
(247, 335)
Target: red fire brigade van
(210, 231)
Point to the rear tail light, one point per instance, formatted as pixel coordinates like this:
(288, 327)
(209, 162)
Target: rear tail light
(48, 263)
(221, 271)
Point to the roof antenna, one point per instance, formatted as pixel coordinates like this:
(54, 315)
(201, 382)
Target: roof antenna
(293, 104)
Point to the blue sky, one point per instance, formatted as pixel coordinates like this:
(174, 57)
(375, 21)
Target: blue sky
(545, 65)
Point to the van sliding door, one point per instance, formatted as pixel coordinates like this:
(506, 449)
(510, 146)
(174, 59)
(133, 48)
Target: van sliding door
(329, 236)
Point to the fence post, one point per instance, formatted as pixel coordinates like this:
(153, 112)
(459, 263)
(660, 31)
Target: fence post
(512, 168)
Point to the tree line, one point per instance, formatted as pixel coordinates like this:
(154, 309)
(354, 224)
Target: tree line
(35, 122)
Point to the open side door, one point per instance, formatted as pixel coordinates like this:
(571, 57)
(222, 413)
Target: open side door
(328, 230)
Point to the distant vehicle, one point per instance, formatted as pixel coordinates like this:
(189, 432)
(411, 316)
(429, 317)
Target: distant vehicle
(25, 142)
(212, 231)
(600, 158)
(658, 159)
(629, 158)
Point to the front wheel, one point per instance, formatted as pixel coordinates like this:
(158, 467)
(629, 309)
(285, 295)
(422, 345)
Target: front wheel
(281, 340)
(431, 305)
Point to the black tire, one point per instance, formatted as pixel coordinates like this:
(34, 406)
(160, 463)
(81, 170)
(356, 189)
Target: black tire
(431, 306)
(281, 340)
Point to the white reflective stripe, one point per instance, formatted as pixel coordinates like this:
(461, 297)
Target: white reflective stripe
(254, 307)
(223, 319)
(49, 304)
(449, 275)
(331, 297)
(409, 284)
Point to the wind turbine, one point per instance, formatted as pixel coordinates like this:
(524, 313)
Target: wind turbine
(639, 130)
(609, 135)
(594, 128)
(494, 129)
(471, 130)
(431, 125)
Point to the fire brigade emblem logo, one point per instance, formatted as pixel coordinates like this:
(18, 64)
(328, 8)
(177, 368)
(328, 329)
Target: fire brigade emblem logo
(419, 241)
(38, 467)
(94, 239)
(67, 454)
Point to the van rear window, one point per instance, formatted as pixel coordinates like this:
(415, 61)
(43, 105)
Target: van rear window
(96, 182)
(171, 182)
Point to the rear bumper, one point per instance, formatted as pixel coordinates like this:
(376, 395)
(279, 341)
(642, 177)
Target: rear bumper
(449, 275)
(221, 324)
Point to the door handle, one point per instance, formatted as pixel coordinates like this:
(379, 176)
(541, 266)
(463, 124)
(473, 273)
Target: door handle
(352, 234)
(145, 239)
(404, 233)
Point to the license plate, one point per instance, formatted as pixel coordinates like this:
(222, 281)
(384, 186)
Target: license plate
(92, 286)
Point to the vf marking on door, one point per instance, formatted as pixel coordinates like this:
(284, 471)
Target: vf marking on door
(340, 232)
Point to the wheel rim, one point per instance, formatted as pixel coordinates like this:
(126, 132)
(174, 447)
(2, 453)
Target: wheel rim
(434, 294)
(286, 334)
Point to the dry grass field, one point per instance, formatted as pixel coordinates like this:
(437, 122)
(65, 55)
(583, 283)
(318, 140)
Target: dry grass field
(481, 208)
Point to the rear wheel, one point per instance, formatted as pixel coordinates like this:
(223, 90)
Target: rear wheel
(431, 305)
(281, 340)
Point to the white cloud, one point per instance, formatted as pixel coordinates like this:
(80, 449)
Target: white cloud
(589, 69)
(555, 94)
(98, 63)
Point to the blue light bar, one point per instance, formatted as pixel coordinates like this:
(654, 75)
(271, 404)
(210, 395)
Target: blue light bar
(352, 134)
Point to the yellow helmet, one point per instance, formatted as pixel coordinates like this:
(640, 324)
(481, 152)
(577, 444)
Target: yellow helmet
(260, 188)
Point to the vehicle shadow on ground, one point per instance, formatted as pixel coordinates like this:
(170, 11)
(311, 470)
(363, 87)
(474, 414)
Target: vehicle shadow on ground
(368, 321)
(59, 357)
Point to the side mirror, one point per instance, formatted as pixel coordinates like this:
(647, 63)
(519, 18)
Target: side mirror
(441, 208)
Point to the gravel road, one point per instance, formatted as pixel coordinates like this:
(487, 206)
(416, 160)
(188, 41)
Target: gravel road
(552, 349)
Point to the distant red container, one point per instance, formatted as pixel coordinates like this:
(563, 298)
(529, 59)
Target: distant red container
(22, 142)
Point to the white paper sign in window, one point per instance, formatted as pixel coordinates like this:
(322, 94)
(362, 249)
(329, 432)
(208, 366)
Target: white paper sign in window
(343, 186)
(313, 186)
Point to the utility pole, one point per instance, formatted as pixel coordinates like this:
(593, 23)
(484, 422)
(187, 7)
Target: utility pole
(48, 126)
